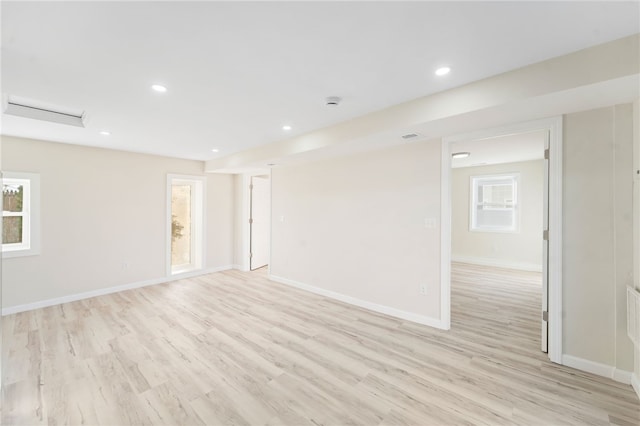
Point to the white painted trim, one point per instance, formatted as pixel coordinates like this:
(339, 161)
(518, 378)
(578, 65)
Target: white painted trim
(498, 263)
(244, 217)
(635, 383)
(554, 126)
(604, 370)
(622, 376)
(555, 238)
(387, 310)
(108, 290)
(245, 212)
(445, 235)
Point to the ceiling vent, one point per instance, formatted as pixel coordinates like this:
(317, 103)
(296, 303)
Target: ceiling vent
(38, 110)
(333, 101)
(410, 136)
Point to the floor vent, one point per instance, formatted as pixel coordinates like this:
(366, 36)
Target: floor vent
(37, 110)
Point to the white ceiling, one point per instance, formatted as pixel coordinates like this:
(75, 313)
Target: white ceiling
(236, 72)
(499, 150)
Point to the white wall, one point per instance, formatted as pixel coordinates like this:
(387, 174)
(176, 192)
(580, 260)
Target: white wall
(597, 243)
(356, 226)
(101, 209)
(522, 250)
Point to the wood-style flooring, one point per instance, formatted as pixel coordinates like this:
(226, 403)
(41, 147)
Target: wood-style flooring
(234, 348)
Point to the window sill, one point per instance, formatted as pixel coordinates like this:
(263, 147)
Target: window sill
(20, 253)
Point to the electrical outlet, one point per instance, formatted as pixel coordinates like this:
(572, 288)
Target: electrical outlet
(423, 289)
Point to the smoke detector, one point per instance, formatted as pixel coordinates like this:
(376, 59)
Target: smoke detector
(333, 101)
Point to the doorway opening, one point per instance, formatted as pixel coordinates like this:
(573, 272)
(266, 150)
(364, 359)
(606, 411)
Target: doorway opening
(259, 221)
(498, 253)
(497, 206)
(185, 223)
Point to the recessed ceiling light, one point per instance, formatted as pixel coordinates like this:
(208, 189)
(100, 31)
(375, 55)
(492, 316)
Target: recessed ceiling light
(215, 150)
(105, 133)
(286, 128)
(159, 88)
(460, 154)
(443, 71)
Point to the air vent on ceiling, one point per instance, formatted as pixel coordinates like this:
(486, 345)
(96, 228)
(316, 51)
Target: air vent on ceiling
(410, 136)
(38, 110)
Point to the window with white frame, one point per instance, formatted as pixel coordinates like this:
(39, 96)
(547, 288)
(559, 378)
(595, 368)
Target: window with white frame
(20, 214)
(494, 203)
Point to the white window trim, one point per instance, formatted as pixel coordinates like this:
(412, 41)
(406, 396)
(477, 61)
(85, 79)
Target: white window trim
(31, 217)
(198, 209)
(473, 227)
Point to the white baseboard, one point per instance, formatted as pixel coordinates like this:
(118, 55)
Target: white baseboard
(635, 382)
(598, 369)
(109, 290)
(240, 268)
(498, 263)
(387, 310)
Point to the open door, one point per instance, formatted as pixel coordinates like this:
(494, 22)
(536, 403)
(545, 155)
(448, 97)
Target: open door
(545, 249)
(259, 222)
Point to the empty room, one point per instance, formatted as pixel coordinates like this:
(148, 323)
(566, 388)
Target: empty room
(320, 213)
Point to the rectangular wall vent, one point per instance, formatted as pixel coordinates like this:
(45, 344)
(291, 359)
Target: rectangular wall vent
(37, 110)
(410, 136)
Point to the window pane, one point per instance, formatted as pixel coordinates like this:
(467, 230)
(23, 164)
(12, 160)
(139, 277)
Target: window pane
(12, 197)
(493, 218)
(494, 205)
(12, 230)
(180, 225)
(496, 196)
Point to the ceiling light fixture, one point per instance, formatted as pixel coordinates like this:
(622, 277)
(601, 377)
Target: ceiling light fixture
(159, 88)
(460, 154)
(215, 150)
(105, 133)
(443, 71)
(286, 128)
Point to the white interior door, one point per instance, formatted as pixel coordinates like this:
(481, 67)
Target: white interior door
(545, 250)
(259, 222)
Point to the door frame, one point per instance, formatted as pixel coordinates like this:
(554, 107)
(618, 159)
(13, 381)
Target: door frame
(199, 213)
(554, 126)
(244, 209)
(251, 221)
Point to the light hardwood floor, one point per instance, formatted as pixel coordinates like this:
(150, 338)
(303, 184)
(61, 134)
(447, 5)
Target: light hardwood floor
(235, 348)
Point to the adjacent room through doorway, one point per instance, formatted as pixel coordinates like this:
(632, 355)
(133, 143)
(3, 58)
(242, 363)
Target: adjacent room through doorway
(498, 253)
